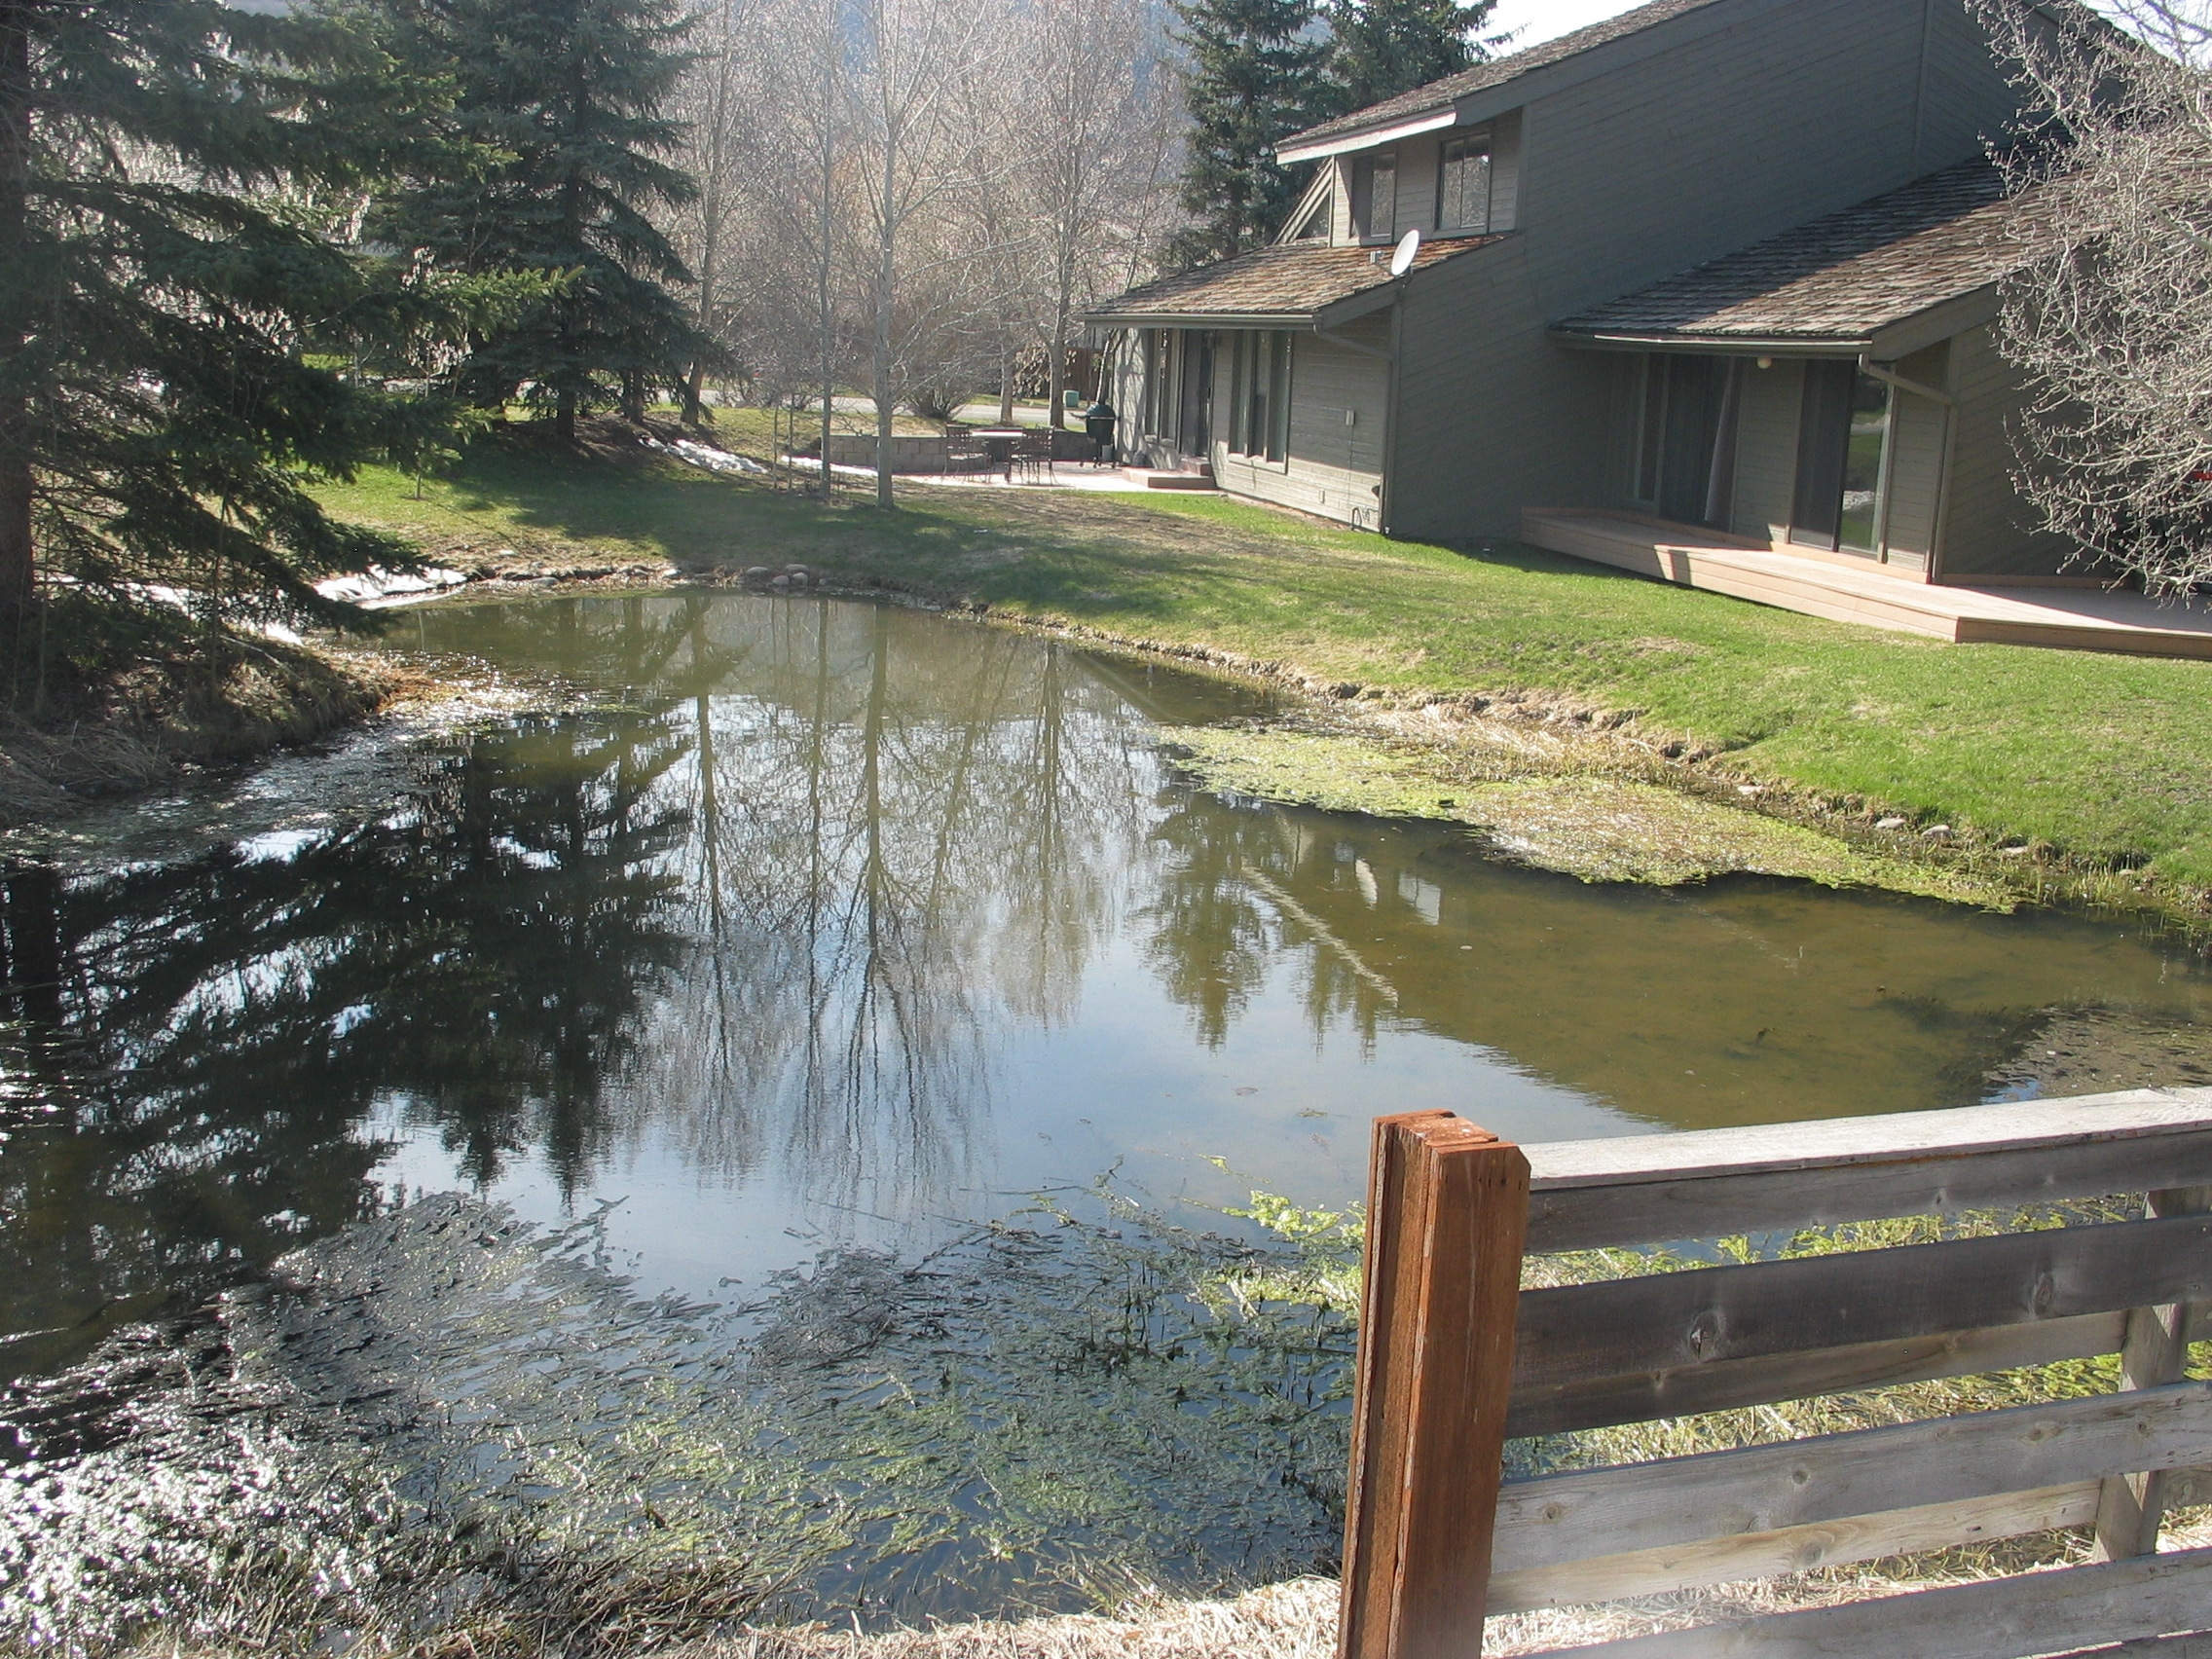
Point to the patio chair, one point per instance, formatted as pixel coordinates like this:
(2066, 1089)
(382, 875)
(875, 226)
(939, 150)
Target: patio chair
(1033, 457)
(963, 453)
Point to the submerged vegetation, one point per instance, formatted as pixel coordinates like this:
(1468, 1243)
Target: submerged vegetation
(443, 1429)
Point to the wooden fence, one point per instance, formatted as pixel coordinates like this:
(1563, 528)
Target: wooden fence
(1455, 1359)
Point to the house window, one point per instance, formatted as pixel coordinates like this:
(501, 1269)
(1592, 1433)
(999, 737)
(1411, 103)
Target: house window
(1843, 430)
(1259, 417)
(1374, 197)
(1463, 186)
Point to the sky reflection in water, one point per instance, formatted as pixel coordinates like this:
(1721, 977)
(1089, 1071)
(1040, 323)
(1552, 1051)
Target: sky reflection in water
(833, 921)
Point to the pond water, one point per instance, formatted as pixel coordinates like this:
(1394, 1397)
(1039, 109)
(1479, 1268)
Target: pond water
(808, 922)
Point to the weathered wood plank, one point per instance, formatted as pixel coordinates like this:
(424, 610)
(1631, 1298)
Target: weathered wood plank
(1724, 1386)
(1633, 1190)
(1665, 1321)
(2156, 1351)
(1794, 1549)
(1996, 1618)
(1832, 1477)
(1447, 1204)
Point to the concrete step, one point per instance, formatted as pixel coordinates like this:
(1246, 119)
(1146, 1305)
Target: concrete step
(1197, 478)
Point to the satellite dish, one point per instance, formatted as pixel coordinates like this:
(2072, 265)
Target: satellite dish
(1402, 256)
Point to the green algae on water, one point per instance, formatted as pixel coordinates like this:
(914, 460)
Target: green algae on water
(1600, 829)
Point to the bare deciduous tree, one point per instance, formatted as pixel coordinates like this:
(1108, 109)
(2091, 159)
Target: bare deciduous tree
(912, 195)
(2112, 317)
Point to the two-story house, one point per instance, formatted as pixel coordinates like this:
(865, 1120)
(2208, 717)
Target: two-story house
(1720, 264)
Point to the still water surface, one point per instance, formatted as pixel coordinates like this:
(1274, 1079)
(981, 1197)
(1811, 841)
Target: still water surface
(820, 922)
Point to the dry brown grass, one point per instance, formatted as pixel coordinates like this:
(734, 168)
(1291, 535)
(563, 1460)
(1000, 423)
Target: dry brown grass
(146, 726)
(1297, 1621)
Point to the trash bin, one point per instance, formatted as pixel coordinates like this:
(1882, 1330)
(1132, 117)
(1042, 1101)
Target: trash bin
(1098, 421)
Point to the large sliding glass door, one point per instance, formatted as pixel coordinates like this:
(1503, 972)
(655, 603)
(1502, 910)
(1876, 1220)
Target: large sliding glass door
(1685, 466)
(1843, 436)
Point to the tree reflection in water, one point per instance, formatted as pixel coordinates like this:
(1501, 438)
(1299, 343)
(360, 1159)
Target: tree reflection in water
(769, 905)
(787, 908)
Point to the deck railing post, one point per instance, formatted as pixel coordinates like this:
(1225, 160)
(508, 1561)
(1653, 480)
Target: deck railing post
(1448, 1207)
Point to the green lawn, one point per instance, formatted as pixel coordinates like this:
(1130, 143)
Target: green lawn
(2100, 756)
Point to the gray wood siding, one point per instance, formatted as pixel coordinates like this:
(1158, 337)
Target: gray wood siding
(1504, 169)
(1782, 113)
(1988, 527)
(1962, 89)
(1767, 450)
(1793, 112)
(1417, 184)
(1491, 416)
(1334, 469)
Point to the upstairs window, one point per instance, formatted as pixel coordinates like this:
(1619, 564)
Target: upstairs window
(1374, 197)
(1462, 185)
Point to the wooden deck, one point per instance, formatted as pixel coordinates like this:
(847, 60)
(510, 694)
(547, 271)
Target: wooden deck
(1845, 590)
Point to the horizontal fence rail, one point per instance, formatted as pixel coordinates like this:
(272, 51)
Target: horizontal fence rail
(1714, 1183)
(1678, 1342)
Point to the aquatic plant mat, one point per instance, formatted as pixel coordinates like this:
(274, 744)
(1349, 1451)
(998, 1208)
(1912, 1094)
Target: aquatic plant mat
(444, 1429)
(1599, 828)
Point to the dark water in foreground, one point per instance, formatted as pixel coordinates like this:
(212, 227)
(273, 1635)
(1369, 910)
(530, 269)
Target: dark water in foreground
(821, 923)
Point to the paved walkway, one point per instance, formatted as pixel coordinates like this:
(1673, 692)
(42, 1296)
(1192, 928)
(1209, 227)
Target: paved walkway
(1067, 475)
(1845, 590)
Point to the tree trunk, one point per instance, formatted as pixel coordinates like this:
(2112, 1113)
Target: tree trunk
(15, 420)
(889, 228)
(828, 226)
(1006, 385)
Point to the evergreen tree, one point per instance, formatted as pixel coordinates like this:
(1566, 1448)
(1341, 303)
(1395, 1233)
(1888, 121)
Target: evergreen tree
(1381, 48)
(1255, 73)
(570, 93)
(174, 314)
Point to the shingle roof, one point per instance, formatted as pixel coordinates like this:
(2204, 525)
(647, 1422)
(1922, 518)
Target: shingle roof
(1496, 73)
(1288, 280)
(1839, 277)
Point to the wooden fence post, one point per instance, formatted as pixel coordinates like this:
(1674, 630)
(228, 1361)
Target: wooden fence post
(2156, 1350)
(1448, 1206)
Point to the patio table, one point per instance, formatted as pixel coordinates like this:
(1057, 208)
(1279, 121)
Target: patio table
(1000, 440)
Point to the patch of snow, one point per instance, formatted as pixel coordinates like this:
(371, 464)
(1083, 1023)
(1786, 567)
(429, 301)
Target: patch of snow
(376, 587)
(705, 454)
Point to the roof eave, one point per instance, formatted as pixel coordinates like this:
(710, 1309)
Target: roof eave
(1197, 319)
(1292, 152)
(1734, 345)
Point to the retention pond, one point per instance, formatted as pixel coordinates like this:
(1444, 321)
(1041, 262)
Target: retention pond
(783, 941)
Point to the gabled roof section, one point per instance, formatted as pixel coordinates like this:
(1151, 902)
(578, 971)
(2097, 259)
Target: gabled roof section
(1286, 283)
(1439, 95)
(1841, 279)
